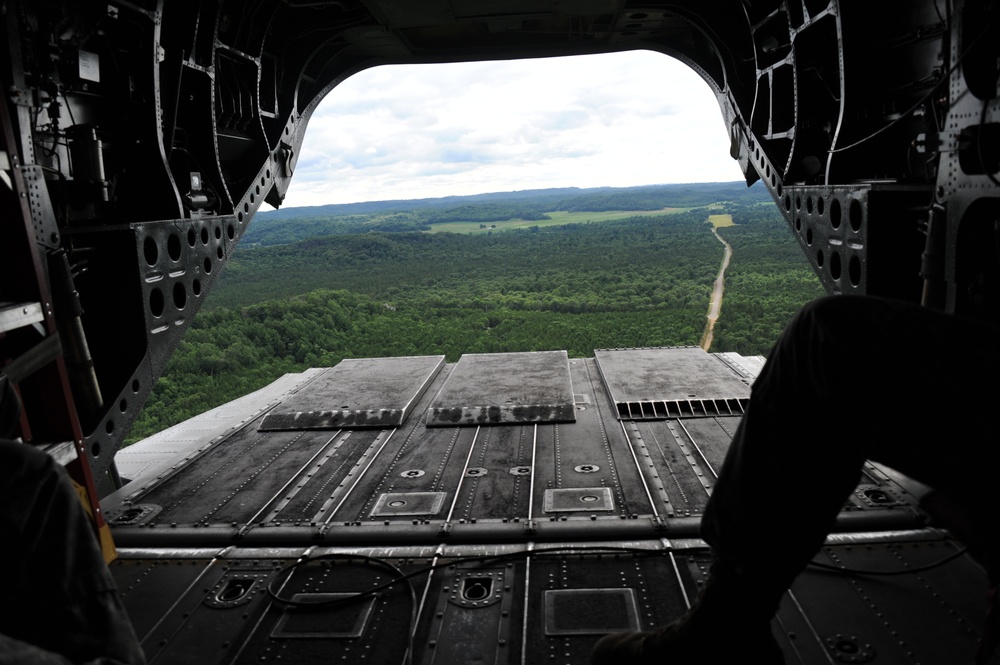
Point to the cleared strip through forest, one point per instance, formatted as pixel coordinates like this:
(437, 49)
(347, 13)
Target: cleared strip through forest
(715, 305)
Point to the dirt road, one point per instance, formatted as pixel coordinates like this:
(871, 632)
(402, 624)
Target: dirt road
(716, 303)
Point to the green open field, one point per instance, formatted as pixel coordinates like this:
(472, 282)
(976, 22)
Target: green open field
(559, 218)
(721, 221)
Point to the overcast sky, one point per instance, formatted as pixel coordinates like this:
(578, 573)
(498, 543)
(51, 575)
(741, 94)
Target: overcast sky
(421, 131)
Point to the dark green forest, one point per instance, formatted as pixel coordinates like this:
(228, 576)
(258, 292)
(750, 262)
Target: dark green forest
(643, 281)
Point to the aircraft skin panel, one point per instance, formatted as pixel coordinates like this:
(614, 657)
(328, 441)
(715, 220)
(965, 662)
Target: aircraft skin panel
(840, 626)
(211, 606)
(645, 375)
(154, 456)
(599, 471)
(617, 500)
(371, 392)
(710, 437)
(151, 586)
(487, 388)
(679, 487)
(498, 479)
(237, 479)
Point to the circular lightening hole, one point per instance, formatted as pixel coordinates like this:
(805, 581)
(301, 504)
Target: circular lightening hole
(180, 295)
(854, 270)
(854, 215)
(174, 247)
(150, 251)
(156, 302)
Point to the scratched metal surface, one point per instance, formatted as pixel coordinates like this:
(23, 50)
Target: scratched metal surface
(595, 477)
(362, 392)
(203, 538)
(212, 606)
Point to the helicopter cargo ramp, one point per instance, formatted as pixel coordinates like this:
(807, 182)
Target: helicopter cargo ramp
(506, 508)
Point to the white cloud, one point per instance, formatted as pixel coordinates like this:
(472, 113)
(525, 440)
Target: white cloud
(417, 131)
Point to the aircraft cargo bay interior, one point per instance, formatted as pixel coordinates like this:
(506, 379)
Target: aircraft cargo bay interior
(498, 507)
(532, 503)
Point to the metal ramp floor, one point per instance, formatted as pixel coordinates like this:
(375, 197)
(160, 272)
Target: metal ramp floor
(548, 515)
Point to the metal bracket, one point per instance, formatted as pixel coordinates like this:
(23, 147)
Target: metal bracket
(34, 359)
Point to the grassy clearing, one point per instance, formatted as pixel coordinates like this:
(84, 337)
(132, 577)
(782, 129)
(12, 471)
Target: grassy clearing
(721, 221)
(558, 219)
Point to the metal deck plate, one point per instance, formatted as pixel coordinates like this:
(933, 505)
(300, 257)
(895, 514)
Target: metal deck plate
(347, 621)
(510, 610)
(152, 456)
(658, 383)
(496, 388)
(590, 611)
(408, 503)
(578, 499)
(364, 392)
(297, 487)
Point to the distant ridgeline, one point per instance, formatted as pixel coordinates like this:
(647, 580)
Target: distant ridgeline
(279, 227)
